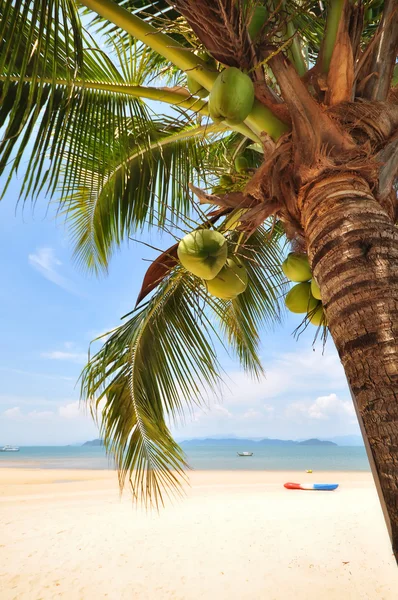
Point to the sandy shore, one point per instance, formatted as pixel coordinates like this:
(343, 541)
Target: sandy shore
(237, 535)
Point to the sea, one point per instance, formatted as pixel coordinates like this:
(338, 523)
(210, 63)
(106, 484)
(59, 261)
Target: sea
(201, 457)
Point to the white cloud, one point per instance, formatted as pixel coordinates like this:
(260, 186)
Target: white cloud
(45, 261)
(303, 387)
(252, 414)
(324, 407)
(215, 412)
(70, 411)
(12, 413)
(221, 411)
(76, 357)
(298, 373)
(40, 414)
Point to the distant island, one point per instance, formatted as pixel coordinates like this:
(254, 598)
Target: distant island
(247, 442)
(96, 442)
(342, 441)
(316, 442)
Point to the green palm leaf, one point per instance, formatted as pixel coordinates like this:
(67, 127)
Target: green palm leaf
(148, 184)
(51, 97)
(140, 396)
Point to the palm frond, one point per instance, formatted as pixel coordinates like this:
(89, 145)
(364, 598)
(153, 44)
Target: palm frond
(46, 98)
(146, 185)
(150, 367)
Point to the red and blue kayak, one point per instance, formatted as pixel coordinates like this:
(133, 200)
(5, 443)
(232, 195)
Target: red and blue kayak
(326, 487)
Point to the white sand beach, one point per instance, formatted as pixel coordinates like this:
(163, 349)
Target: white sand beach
(237, 534)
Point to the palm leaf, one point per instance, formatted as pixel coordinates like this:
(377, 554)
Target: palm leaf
(51, 96)
(148, 184)
(146, 371)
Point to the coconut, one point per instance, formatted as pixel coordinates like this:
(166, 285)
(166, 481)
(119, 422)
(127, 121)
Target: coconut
(315, 291)
(296, 267)
(318, 317)
(299, 299)
(226, 180)
(231, 280)
(241, 164)
(259, 17)
(195, 88)
(231, 97)
(203, 252)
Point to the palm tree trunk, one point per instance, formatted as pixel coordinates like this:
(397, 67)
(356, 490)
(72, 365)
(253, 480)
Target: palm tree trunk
(353, 250)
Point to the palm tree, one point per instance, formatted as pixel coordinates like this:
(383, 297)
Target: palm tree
(321, 145)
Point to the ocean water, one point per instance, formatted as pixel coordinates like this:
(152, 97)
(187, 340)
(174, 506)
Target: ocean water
(200, 457)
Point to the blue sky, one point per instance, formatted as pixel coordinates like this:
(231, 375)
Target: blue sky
(50, 310)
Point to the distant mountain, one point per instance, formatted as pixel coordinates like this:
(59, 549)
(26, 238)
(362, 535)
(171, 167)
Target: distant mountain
(96, 442)
(316, 442)
(254, 443)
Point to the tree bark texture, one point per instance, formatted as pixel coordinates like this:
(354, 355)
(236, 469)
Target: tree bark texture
(353, 251)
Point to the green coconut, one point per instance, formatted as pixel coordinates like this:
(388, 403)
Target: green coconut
(224, 184)
(299, 299)
(241, 164)
(296, 267)
(315, 291)
(226, 180)
(203, 252)
(195, 88)
(231, 97)
(318, 317)
(231, 280)
(259, 17)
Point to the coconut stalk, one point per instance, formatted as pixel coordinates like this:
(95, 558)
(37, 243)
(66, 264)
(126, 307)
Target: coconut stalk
(336, 8)
(180, 99)
(260, 120)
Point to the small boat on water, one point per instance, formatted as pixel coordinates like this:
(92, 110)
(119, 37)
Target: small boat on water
(244, 453)
(9, 449)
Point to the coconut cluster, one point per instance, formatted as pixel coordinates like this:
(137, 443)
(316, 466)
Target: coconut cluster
(305, 296)
(204, 253)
